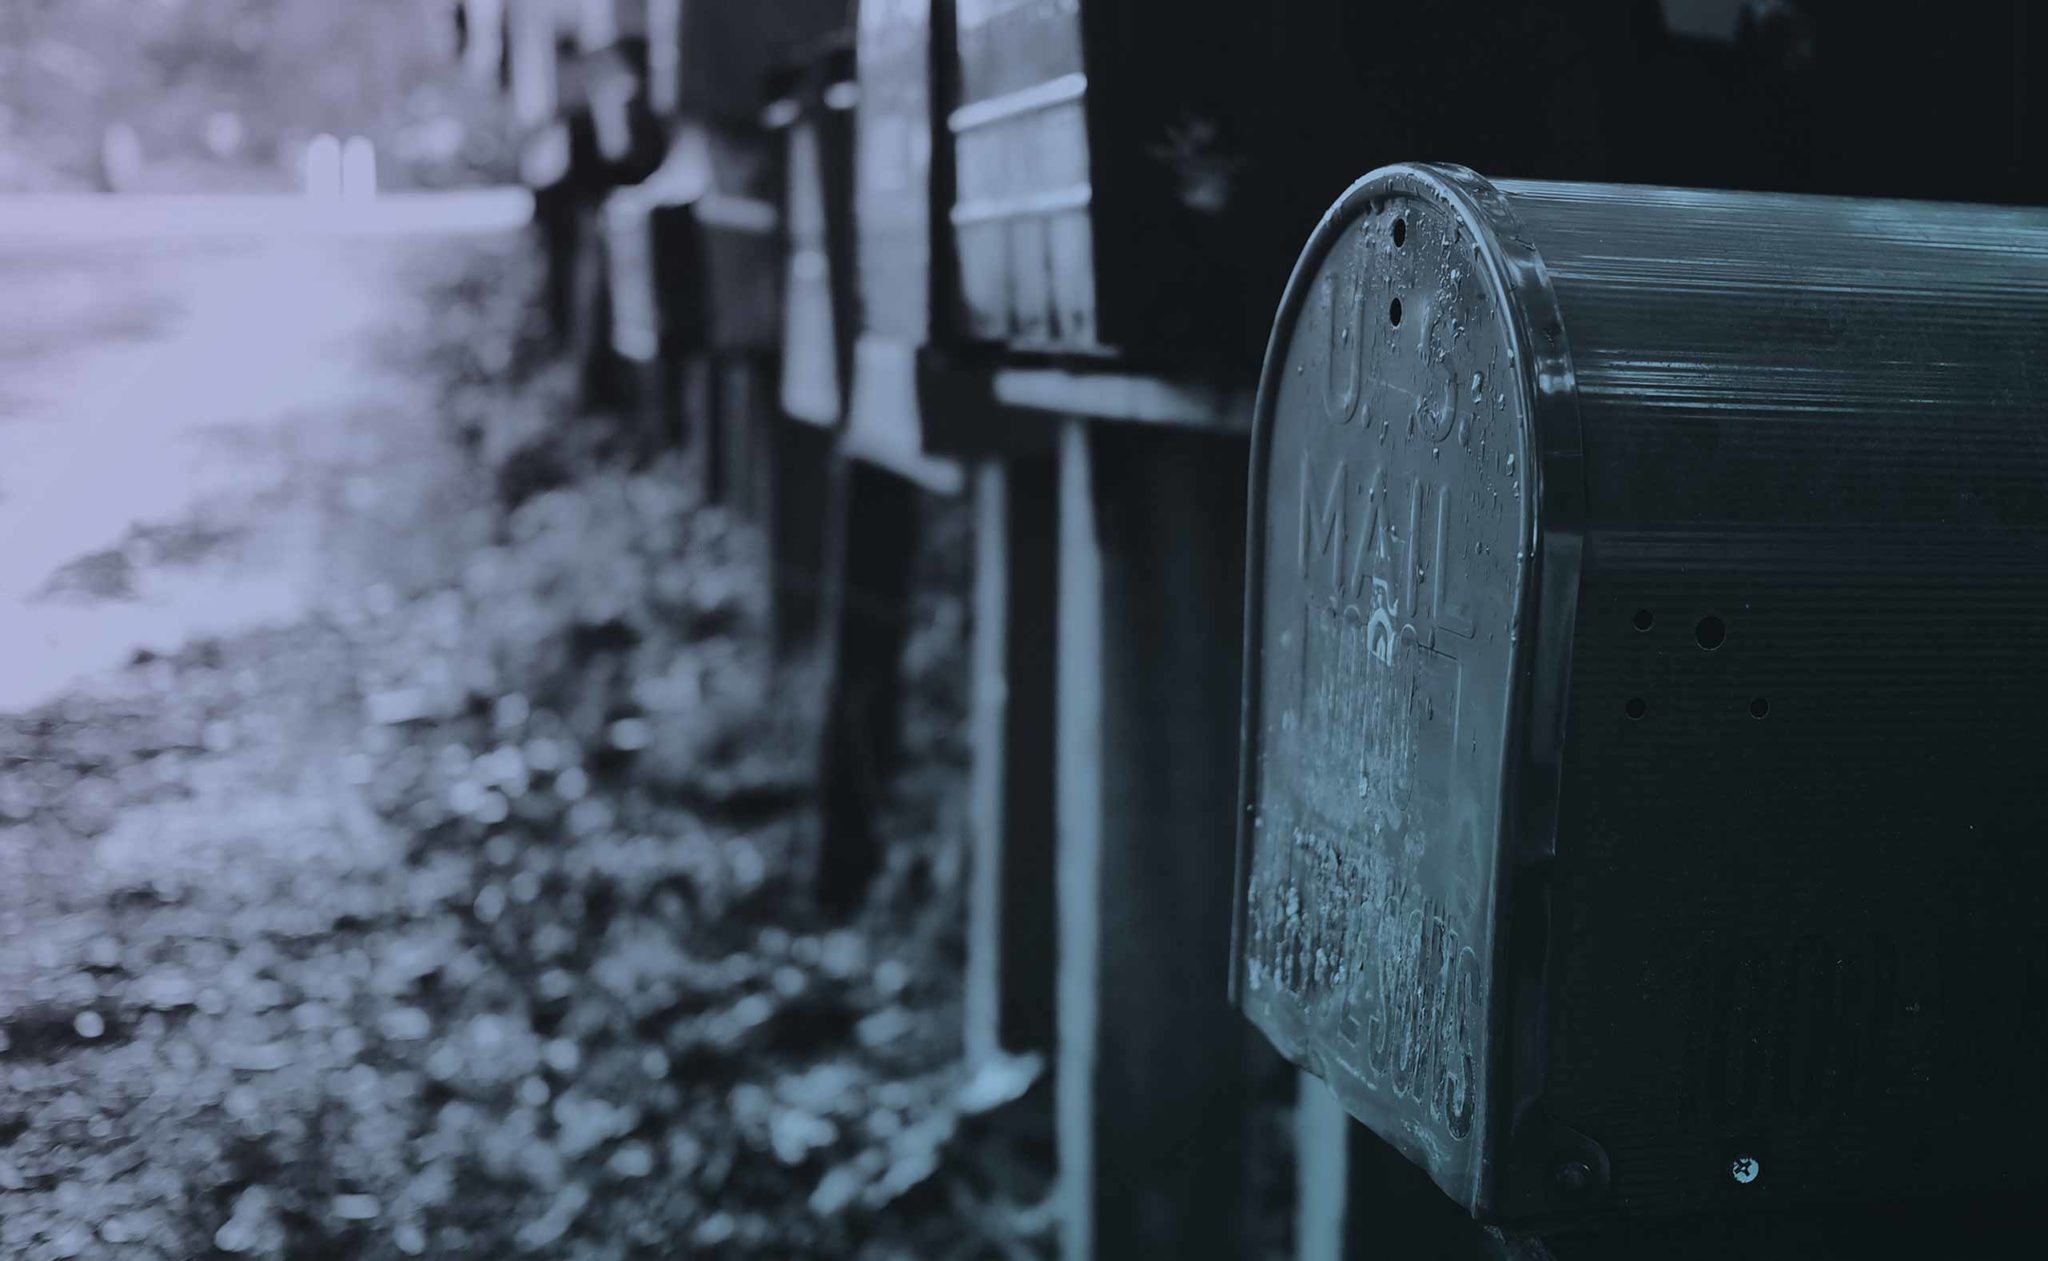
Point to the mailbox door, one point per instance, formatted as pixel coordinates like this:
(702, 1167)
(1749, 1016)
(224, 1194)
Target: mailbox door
(1392, 622)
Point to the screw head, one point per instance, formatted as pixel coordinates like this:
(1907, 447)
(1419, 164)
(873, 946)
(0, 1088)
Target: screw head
(1573, 1178)
(1745, 1169)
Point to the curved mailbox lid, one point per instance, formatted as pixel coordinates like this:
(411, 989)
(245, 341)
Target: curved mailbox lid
(1413, 568)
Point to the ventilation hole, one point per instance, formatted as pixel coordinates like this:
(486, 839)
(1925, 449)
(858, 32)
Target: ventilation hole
(1711, 632)
(1759, 707)
(1394, 312)
(1636, 707)
(1400, 231)
(1645, 619)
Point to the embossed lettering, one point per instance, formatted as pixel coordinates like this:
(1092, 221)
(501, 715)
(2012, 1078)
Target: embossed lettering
(1344, 370)
(1401, 570)
(1372, 540)
(1326, 529)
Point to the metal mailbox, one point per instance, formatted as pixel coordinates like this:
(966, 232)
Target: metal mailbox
(715, 242)
(1644, 690)
(893, 179)
(814, 116)
(713, 54)
(1124, 169)
(1062, 147)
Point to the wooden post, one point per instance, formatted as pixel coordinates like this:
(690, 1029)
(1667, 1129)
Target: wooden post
(646, 406)
(1154, 1088)
(1322, 1134)
(697, 411)
(554, 222)
(1356, 1199)
(871, 545)
(590, 319)
(740, 421)
(800, 457)
(1010, 920)
(671, 379)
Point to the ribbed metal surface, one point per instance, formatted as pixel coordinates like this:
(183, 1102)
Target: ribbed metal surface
(1796, 898)
(1780, 360)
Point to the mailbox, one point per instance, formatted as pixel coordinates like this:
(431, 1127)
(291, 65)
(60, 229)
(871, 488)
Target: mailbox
(1126, 171)
(1095, 152)
(814, 115)
(715, 242)
(893, 180)
(1644, 691)
(714, 54)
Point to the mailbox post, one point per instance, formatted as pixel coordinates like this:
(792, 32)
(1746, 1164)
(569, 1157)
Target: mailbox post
(882, 481)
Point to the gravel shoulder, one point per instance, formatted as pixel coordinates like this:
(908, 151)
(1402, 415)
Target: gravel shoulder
(457, 915)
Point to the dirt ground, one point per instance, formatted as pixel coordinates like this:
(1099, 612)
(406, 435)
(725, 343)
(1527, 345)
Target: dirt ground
(456, 911)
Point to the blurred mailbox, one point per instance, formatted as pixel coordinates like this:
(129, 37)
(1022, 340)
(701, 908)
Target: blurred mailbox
(892, 211)
(709, 57)
(1645, 641)
(1023, 219)
(693, 252)
(1123, 167)
(816, 121)
(718, 276)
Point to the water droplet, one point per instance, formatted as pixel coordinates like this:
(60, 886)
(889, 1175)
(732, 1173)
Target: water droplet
(1478, 380)
(1511, 464)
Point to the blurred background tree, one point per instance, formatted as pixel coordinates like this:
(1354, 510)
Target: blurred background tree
(194, 95)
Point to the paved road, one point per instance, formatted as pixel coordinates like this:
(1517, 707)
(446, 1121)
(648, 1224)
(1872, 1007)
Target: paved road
(168, 366)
